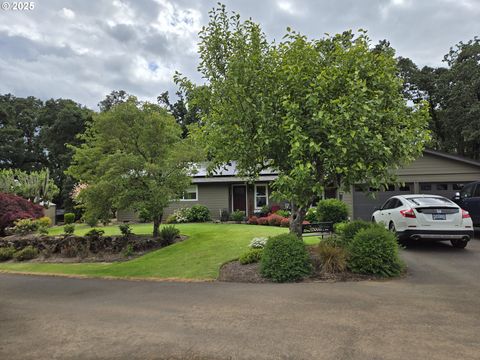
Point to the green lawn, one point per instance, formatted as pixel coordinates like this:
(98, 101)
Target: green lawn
(198, 257)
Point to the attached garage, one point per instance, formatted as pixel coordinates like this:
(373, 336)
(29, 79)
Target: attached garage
(434, 173)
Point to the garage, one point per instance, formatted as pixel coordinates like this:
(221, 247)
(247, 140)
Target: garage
(435, 173)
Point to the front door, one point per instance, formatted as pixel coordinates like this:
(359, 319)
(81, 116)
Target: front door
(239, 197)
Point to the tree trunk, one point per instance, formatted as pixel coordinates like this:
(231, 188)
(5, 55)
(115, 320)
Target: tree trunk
(298, 215)
(156, 225)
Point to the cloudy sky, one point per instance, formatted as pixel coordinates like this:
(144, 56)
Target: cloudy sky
(83, 49)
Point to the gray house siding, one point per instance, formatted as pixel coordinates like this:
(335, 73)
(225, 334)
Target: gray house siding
(433, 173)
(213, 196)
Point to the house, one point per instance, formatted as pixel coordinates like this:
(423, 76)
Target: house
(433, 173)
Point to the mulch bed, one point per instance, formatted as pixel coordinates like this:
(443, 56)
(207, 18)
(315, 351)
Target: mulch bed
(233, 271)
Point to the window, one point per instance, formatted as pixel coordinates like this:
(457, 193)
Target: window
(442, 187)
(191, 194)
(457, 186)
(261, 196)
(425, 187)
(467, 191)
(476, 193)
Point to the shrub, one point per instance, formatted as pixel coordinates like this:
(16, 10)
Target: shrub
(171, 219)
(181, 215)
(128, 251)
(90, 219)
(26, 253)
(13, 208)
(253, 220)
(69, 218)
(198, 213)
(25, 226)
(274, 220)
(126, 230)
(285, 222)
(262, 221)
(351, 229)
(264, 211)
(333, 258)
(69, 229)
(375, 251)
(168, 234)
(251, 256)
(144, 216)
(42, 230)
(258, 242)
(311, 215)
(224, 215)
(339, 228)
(285, 258)
(274, 208)
(332, 210)
(44, 221)
(95, 233)
(283, 213)
(237, 216)
(334, 240)
(6, 253)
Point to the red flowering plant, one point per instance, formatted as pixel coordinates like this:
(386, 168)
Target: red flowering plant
(285, 222)
(274, 219)
(262, 221)
(253, 220)
(13, 208)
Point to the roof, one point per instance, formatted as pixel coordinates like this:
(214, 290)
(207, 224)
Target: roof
(452, 157)
(227, 170)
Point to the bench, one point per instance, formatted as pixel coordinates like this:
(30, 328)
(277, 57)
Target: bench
(317, 229)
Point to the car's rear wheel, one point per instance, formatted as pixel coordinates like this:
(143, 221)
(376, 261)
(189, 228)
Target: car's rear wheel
(391, 227)
(459, 244)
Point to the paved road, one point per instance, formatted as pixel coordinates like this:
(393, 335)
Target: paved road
(433, 313)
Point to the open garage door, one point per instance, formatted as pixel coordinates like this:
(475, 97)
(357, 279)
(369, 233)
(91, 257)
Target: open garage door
(364, 203)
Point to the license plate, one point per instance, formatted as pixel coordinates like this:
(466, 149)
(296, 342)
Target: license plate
(439, 216)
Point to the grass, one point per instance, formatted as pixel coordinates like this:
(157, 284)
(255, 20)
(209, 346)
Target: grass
(198, 257)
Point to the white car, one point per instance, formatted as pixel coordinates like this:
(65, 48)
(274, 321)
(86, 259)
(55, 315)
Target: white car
(426, 217)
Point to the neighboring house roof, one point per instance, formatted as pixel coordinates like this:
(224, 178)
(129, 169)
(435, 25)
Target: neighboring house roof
(452, 157)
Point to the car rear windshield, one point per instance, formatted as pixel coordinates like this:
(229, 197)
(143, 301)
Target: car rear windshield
(430, 201)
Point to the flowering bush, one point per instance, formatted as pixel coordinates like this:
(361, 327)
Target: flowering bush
(274, 219)
(181, 215)
(274, 208)
(285, 222)
(262, 221)
(258, 242)
(253, 220)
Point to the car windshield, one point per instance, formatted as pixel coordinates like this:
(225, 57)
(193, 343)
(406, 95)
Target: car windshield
(430, 201)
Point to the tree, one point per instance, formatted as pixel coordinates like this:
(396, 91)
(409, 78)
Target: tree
(13, 208)
(186, 110)
(132, 157)
(453, 94)
(114, 98)
(19, 133)
(320, 112)
(36, 186)
(61, 120)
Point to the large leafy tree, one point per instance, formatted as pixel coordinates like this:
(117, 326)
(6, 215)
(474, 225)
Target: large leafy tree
(322, 112)
(132, 157)
(61, 121)
(453, 93)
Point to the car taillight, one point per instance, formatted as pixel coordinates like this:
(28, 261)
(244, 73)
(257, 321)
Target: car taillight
(465, 214)
(408, 213)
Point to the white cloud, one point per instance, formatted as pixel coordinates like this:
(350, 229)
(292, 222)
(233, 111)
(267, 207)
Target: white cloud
(68, 14)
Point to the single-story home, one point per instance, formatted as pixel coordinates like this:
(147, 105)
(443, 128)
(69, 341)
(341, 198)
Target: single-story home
(433, 173)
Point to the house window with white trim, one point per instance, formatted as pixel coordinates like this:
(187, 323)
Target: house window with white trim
(261, 196)
(191, 194)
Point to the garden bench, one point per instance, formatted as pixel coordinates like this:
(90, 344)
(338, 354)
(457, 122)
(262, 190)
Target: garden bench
(317, 229)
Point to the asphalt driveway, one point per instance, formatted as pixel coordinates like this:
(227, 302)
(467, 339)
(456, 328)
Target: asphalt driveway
(433, 313)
